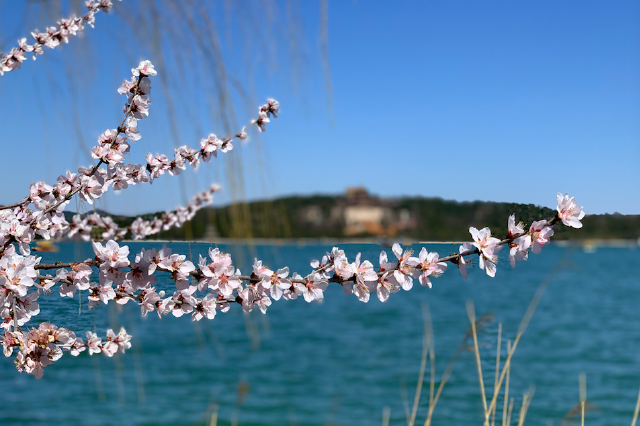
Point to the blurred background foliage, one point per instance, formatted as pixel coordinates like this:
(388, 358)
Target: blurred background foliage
(429, 219)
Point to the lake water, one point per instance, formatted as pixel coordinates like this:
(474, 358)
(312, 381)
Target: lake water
(342, 361)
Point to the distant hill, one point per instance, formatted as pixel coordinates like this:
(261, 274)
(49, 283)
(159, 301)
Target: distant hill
(357, 214)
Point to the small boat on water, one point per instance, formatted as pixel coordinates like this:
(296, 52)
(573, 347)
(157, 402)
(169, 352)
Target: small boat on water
(589, 247)
(46, 246)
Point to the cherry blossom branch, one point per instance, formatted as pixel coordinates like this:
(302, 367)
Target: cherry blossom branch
(508, 240)
(159, 164)
(21, 224)
(52, 37)
(221, 283)
(358, 277)
(122, 280)
(112, 147)
(197, 273)
(140, 228)
(44, 345)
(110, 150)
(25, 224)
(25, 201)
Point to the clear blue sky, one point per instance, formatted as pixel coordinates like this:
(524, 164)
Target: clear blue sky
(499, 101)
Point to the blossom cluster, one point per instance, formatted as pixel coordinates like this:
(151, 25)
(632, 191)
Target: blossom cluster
(21, 225)
(53, 36)
(159, 164)
(202, 289)
(21, 285)
(42, 346)
(85, 227)
(215, 283)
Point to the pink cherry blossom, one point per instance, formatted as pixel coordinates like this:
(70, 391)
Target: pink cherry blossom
(151, 301)
(112, 254)
(91, 188)
(205, 308)
(277, 283)
(180, 267)
(387, 284)
(123, 339)
(405, 269)
(312, 289)
(519, 247)
(100, 293)
(429, 266)
(342, 267)
(262, 120)
(226, 280)
(488, 247)
(181, 303)
(385, 265)
(540, 235)
(93, 343)
(260, 270)
(145, 68)
(243, 134)
(569, 212)
(365, 279)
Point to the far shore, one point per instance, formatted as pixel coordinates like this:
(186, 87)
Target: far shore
(587, 244)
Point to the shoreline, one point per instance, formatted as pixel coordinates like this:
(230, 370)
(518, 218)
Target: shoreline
(587, 244)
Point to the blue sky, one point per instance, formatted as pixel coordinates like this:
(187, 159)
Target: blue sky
(498, 101)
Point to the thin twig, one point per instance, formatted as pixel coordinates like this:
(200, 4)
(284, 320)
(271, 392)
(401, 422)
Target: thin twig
(15, 317)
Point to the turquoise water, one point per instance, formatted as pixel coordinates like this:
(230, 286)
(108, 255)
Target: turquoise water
(341, 362)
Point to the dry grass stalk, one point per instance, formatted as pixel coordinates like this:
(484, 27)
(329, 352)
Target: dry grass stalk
(405, 399)
(214, 417)
(583, 394)
(523, 327)
(480, 324)
(386, 415)
(526, 400)
(521, 415)
(472, 318)
(502, 375)
(506, 390)
(475, 325)
(423, 365)
(635, 413)
(495, 383)
(510, 411)
(234, 417)
(443, 380)
(432, 356)
(426, 316)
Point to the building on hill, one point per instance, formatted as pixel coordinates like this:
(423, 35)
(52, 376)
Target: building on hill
(359, 213)
(364, 214)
